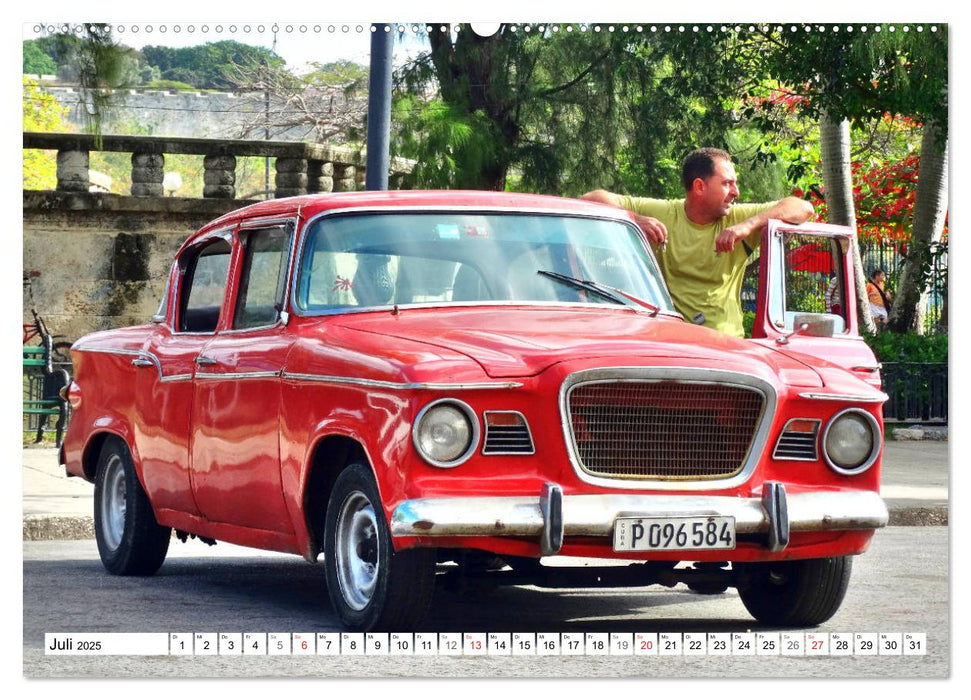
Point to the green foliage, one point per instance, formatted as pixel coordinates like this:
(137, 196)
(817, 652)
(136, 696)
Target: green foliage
(452, 144)
(36, 61)
(566, 112)
(748, 322)
(42, 112)
(908, 347)
(207, 65)
(168, 85)
(342, 73)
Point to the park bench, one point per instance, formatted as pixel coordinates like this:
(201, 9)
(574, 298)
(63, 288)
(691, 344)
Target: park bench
(43, 391)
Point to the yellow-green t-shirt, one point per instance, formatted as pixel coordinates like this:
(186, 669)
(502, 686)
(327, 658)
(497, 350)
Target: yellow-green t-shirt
(699, 279)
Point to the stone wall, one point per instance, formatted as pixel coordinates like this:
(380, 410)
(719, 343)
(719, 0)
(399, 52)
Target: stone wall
(187, 114)
(100, 261)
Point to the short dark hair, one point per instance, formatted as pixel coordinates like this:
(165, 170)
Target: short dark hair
(701, 163)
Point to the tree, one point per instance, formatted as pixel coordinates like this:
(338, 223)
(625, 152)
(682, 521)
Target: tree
(562, 111)
(930, 210)
(207, 65)
(328, 104)
(837, 174)
(861, 78)
(42, 112)
(36, 62)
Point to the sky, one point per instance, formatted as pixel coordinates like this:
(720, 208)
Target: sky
(298, 43)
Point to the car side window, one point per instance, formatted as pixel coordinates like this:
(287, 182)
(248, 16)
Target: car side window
(263, 278)
(204, 288)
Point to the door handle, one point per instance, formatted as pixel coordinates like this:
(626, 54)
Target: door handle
(204, 361)
(142, 362)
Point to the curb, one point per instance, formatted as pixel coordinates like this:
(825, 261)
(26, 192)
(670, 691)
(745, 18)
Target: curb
(917, 433)
(918, 515)
(39, 528)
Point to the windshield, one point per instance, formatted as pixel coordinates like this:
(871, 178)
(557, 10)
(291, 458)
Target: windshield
(380, 259)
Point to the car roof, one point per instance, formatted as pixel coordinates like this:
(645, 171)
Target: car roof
(312, 204)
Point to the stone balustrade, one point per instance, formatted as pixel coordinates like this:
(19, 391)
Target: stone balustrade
(301, 168)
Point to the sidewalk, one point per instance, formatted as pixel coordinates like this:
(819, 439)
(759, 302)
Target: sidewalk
(915, 487)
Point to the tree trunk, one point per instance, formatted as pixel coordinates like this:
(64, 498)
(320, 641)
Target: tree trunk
(838, 185)
(930, 209)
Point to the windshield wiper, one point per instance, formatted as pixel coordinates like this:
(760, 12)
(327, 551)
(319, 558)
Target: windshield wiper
(613, 294)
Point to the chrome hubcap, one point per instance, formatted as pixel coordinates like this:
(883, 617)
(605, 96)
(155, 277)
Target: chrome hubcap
(357, 550)
(113, 503)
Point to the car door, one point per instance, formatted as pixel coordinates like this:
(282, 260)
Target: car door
(236, 391)
(186, 322)
(807, 296)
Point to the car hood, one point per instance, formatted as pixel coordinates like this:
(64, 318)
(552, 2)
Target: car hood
(513, 342)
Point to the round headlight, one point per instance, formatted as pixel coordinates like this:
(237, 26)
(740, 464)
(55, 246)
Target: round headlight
(851, 442)
(446, 433)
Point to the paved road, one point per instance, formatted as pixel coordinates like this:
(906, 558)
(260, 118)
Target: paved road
(900, 585)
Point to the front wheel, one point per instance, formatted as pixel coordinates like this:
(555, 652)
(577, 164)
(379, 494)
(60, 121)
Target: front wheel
(130, 540)
(800, 593)
(371, 586)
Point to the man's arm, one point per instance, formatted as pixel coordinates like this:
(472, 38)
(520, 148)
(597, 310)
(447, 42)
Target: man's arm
(792, 210)
(655, 231)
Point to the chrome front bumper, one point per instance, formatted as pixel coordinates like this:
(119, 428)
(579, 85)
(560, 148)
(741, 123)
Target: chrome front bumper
(552, 516)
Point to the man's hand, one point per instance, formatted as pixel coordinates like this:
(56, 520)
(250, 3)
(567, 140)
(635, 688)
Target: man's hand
(725, 243)
(655, 231)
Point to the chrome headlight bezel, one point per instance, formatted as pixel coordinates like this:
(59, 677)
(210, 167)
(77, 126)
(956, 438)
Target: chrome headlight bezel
(875, 434)
(473, 425)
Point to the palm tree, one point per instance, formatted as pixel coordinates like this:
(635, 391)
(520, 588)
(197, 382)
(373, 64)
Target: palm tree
(930, 210)
(838, 185)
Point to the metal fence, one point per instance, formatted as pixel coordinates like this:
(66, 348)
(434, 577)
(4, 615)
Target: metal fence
(889, 257)
(808, 277)
(917, 391)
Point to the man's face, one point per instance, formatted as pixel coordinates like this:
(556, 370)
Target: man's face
(719, 192)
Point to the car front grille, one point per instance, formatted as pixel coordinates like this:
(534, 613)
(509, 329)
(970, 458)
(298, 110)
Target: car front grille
(663, 430)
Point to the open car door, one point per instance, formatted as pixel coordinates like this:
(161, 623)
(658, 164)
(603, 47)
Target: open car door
(807, 296)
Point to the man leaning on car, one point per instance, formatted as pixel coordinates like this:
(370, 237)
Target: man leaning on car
(695, 238)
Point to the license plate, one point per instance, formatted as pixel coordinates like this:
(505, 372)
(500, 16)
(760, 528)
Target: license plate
(664, 534)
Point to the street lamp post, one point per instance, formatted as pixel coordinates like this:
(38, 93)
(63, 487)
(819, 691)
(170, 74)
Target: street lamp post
(379, 108)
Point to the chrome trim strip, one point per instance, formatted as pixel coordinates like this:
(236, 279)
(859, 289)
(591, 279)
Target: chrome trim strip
(238, 375)
(269, 221)
(880, 397)
(138, 353)
(399, 386)
(594, 515)
(342, 310)
(652, 374)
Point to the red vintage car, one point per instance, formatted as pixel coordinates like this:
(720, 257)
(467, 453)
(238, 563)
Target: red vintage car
(457, 383)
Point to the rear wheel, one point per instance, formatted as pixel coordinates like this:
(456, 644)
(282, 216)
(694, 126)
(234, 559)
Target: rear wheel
(371, 586)
(795, 593)
(130, 540)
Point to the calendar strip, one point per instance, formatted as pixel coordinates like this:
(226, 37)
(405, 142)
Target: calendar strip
(250, 644)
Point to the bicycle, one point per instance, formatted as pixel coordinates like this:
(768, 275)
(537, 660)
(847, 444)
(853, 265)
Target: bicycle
(46, 373)
(56, 351)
